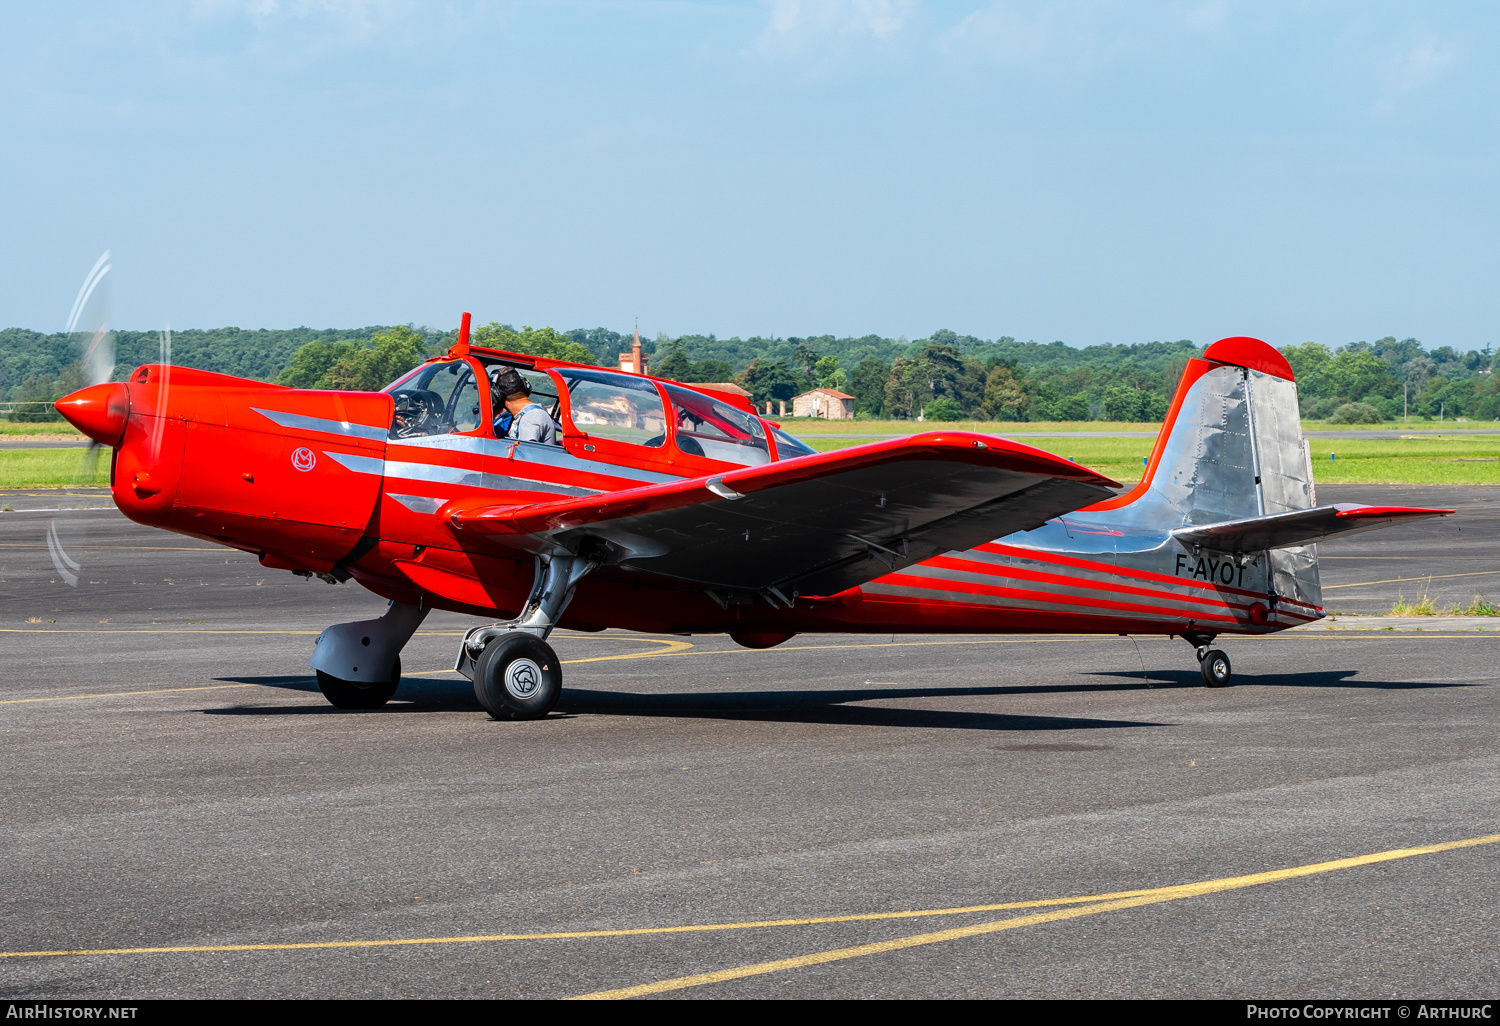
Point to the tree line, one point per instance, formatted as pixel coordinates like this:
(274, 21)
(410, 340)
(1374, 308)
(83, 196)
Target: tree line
(38, 368)
(1386, 379)
(945, 376)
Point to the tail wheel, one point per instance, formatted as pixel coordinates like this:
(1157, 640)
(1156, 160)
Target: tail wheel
(358, 694)
(1215, 667)
(517, 677)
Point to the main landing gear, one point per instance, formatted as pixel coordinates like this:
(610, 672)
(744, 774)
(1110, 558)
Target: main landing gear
(1212, 662)
(517, 677)
(516, 674)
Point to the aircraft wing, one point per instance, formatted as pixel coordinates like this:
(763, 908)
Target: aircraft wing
(815, 525)
(1299, 526)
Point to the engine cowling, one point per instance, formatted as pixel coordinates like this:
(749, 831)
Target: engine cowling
(293, 474)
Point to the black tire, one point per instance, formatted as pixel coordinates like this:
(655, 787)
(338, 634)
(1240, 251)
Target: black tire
(1215, 667)
(517, 677)
(353, 694)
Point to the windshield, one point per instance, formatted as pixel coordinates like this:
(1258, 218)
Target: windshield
(437, 398)
(788, 447)
(717, 431)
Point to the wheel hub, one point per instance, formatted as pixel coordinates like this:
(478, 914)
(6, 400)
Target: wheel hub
(522, 678)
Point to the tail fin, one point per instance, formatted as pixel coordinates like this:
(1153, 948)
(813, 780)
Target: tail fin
(1231, 449)
(1231, 446)
(1231, 473)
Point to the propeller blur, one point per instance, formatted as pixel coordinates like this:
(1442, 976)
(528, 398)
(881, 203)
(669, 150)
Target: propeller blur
(89, 318)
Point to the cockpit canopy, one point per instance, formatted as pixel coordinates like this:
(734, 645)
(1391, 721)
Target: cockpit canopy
(453, 396)
(622, 407)
(706, 427)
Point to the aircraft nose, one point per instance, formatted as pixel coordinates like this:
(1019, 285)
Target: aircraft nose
(99, 411)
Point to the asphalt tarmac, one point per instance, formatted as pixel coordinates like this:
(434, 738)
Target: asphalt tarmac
(836, 817)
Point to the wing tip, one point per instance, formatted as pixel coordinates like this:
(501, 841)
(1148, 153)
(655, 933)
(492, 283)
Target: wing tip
(1353, 511)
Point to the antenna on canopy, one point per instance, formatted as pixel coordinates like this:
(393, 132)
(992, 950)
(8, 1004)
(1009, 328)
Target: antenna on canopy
(461, 347)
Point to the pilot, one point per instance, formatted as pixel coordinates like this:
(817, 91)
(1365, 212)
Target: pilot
(521, 419)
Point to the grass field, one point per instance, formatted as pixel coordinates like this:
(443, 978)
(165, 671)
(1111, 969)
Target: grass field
(59, 430)
(813, 426)
(1415, 424)
(1424, 459)
(1421, 459)
(52, 468)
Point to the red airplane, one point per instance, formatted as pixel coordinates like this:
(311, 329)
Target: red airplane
(656, 506)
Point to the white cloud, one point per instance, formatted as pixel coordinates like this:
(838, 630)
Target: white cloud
(355, 20)
(799, 26)
(1421, 64)
(1005, 34)
(1083, 34)
(1408, 72)
(1209, 16)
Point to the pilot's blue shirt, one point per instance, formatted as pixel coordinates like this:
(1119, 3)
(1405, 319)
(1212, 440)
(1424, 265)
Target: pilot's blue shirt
(533, 425)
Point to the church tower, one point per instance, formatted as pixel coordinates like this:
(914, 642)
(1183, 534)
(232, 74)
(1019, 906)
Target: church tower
(634, 361)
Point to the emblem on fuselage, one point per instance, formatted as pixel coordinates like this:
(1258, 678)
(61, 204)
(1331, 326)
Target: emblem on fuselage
(304, 459)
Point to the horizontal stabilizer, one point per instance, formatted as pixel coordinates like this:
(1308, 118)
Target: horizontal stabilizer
(816, 524)
(1299, 526)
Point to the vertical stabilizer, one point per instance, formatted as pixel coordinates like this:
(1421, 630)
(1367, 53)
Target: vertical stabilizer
(1231, 448)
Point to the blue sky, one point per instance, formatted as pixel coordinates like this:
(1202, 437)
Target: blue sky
(1091, 172)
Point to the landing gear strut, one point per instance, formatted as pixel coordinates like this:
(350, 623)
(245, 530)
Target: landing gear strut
(516, 674)
(1212, 662)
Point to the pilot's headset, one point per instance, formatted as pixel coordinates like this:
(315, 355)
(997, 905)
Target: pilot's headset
(506, 382)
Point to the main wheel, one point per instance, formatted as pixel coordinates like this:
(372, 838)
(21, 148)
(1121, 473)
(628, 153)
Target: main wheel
(1215, 667)
(517, 677)
(355, 694)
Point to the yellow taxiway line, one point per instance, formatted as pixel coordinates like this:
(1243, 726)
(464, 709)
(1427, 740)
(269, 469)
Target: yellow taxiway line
(1335, 635)
(1110, 904)
(121, 694)
(216, 630)
(116, 548)
(808, 648)
(135, 630)
(1409, 580)
(1379, 633)
(677, 648)
(673, 647)
(1085, 905)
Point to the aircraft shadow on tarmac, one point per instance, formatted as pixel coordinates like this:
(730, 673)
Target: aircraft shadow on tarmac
(1319, 679)
(828, 707)
(300, 682)
(840, 706)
